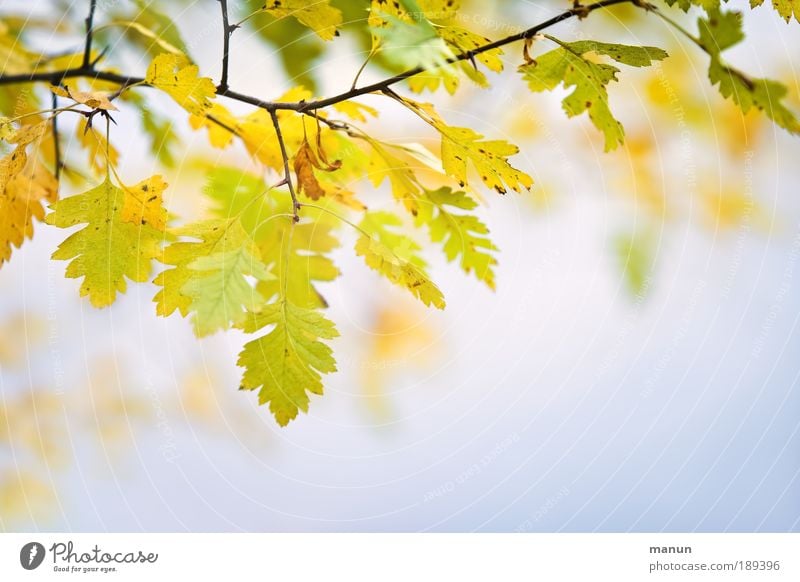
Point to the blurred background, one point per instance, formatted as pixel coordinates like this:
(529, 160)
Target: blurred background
(636, 370)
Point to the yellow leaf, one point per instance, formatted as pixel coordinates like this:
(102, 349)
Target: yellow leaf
(108, 249)
(219, 122)
(384, 165)
(317, 15)
(355, 111)
(489, 158)
(731, 209)
(24, 184)
(144, 203)
(6, 128)
(461, 145)
(93, 99)
(23, 495)
(463, 40)
(439, 9)
(174, 75)
(28, 133)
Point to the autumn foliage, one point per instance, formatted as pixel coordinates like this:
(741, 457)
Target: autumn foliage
(256, 262)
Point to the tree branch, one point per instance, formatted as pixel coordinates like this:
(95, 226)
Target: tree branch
(287, 174)
(87, 70)
(55, 77)
(578, 10)
(87, 51)
(227, 31)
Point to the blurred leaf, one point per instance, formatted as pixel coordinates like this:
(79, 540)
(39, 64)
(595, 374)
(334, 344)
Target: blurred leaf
(149, 28)
(298, 51)
(636, 256)
(401, 338)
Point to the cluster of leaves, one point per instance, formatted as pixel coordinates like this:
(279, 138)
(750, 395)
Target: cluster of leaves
(259, 260)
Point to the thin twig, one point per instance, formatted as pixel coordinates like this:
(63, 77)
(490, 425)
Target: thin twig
(286, 170)
(56, 144)
(87, 51)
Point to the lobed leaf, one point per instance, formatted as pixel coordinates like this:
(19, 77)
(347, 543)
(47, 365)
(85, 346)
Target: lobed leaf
(174, 75)
(569, 66)
(720, 31)
(24, 184)
(786, 8)
(319, 15)
(395, 257)
(111, 248)
(286, 364)
(463, 236)
(220, 292)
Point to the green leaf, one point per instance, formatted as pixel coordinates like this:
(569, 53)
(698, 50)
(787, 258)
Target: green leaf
(163, 139)
(396, 257)
(295, 253)
(463, 236)
(179, 255)
(408, 40)
(720, 31)
(286, 364)
(635, 255)
(219, 290)
(569, 66)
(409, 44)
(209, 278)
(685, 5)
(113, 245)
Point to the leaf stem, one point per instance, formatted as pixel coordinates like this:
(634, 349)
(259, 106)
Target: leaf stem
(340, 217)
(674, 24)
(56, 140)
